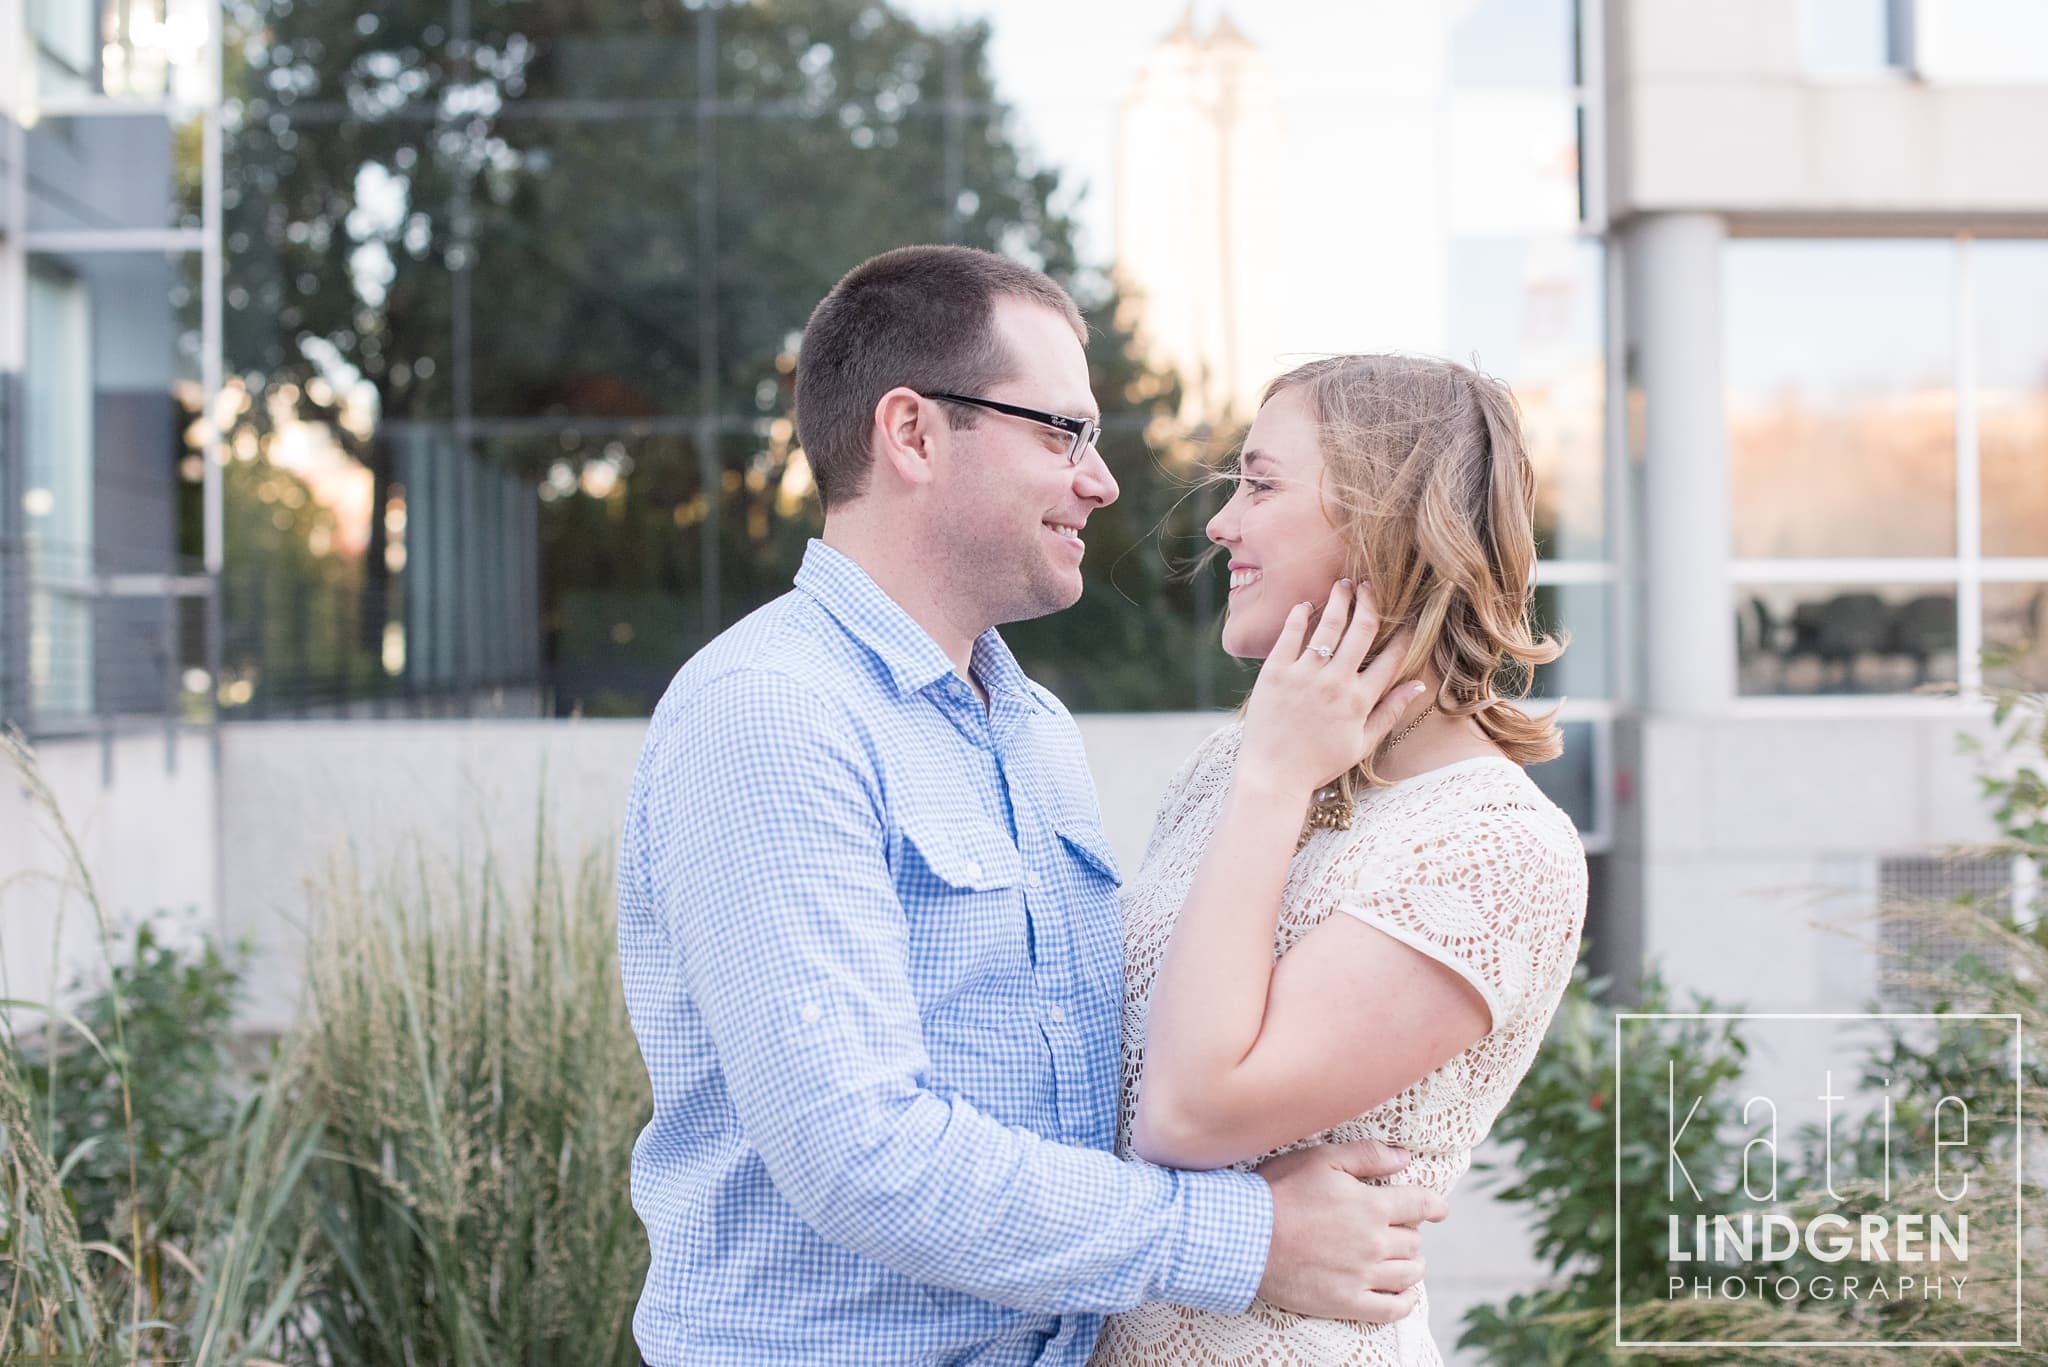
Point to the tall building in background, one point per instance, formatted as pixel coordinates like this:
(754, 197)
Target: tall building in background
(102, 242)
(1201, 174)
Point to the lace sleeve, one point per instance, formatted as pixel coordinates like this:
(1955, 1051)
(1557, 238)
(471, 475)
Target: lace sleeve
(1493, 894)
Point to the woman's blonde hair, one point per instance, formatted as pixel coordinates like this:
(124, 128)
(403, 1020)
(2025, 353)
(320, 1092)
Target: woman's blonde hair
(1426, 478)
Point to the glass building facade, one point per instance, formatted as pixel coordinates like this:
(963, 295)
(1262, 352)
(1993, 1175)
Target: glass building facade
(1889, 478)
(103, 235)
(436, 357)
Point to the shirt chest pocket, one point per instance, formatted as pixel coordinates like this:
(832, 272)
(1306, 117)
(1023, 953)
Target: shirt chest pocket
(1087, 885)
(1089, 851)
(962, 885)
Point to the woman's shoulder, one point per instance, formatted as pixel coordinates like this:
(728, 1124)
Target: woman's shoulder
(1483, 780)
(1476, 802)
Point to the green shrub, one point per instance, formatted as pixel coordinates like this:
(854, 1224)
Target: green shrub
(1560, 1131)
(168, 1060)
(1563, 1139)
(467, 1039)
(433, 1169)
(145, 1190)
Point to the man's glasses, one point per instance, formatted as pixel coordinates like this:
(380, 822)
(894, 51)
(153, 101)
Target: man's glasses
(1081, 432)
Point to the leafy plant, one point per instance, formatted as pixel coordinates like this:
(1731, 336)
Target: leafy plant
(1559, 1136)
(124, 1120)
(1560, 1128)
(176, 1022)
(434, 1169)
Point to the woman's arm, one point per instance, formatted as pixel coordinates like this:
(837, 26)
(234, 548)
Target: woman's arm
(1243, 1055)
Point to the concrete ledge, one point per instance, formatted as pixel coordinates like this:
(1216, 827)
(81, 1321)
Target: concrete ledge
(147, 839)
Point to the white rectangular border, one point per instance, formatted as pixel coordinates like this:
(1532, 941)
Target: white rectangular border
(2019, 1162)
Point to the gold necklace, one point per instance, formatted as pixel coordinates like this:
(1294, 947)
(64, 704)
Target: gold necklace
(1330, 810)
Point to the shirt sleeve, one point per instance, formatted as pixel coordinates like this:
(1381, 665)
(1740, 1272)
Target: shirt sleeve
(1492, 898)
(764, 853)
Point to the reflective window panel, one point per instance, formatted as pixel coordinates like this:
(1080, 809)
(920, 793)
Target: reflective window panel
(2012, 394)
(1583, 614)
(1515, 43)
(153, 50)
(1845, 639)
(1839, 369)
(1570, 780)
(110, 394)
(2016, 636)
(549, 240)
(1529, 311)
(1847, 38)
(113, 172)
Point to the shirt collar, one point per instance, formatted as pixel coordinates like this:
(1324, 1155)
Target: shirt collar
(1000, 673)
(906, 650)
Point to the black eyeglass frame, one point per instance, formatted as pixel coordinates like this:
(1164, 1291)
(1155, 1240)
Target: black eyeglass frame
(1082, 433)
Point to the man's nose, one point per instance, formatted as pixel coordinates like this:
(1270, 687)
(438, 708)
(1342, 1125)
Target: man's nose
(1093, 481)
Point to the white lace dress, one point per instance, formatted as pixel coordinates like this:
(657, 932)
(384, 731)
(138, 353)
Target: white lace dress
(1470, 864)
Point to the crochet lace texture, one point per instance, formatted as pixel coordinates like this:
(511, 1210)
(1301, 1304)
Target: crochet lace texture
(1470, 864)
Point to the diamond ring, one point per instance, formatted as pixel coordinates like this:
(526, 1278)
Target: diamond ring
(1325, 651)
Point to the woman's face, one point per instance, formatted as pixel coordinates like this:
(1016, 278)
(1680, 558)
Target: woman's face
(1283, 548)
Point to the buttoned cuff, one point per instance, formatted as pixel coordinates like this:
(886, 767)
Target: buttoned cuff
(1226, 1229)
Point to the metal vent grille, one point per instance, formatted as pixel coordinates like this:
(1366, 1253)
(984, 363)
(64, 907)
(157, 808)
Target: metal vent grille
(1917, 893)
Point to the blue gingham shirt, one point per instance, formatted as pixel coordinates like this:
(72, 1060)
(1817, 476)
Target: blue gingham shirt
(869, 938)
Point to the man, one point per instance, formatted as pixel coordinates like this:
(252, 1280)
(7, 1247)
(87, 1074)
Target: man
(868, 922)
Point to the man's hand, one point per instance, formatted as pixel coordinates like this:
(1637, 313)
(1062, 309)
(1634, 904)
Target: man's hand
(1342, 1249)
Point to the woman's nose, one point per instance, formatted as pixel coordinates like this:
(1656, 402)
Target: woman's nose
(1220, 529)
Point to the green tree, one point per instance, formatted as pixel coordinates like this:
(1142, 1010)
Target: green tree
(537, 228)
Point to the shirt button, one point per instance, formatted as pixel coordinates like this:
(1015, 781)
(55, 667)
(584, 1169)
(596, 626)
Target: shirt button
(1059, 1016)
(1031, 880)
(810, 1013)
(973, 870)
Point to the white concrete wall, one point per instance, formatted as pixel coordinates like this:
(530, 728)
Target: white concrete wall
(1759, 848)
(1672, 270)
(298, 797)
(146, 839)
(1133, 755)
(1710, 108)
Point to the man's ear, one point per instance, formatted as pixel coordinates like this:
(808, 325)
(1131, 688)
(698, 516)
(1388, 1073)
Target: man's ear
(903, 433)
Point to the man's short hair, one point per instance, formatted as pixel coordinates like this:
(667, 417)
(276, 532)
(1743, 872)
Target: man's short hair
(923, 317)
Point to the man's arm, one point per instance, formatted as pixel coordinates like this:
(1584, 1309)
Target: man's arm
(764, 844)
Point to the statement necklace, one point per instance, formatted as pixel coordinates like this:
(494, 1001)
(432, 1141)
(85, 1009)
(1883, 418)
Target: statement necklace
(1331, 810)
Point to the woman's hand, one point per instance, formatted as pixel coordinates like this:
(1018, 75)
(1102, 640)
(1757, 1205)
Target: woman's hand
(1317, 708)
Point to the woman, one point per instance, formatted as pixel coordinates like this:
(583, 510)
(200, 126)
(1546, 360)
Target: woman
(1257, 1017)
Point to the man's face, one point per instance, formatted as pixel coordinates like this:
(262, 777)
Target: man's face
(1013, 512)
